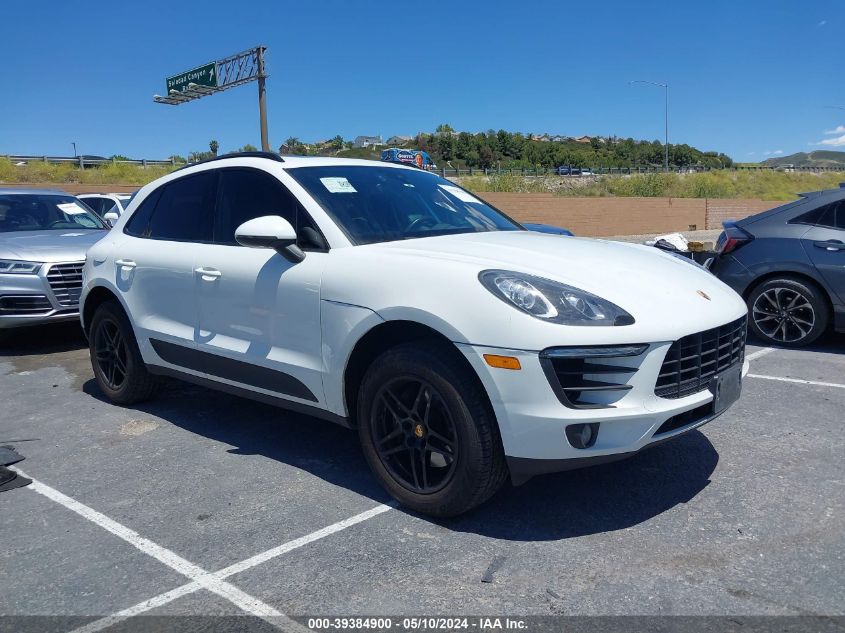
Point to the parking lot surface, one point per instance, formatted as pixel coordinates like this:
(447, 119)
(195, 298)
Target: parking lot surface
(201, 503)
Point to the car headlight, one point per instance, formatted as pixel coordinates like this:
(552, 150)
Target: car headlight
(551, 300)
(18, 267)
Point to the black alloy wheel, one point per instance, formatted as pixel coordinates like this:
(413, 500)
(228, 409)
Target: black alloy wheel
(110, 352)
(415, 435)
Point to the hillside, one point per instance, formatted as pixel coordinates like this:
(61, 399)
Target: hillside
(819, 158)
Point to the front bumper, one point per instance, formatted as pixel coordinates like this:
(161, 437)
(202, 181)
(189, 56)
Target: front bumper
(532, 419)
(27, 300)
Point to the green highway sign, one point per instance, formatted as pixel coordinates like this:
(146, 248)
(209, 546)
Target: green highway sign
(202, 76)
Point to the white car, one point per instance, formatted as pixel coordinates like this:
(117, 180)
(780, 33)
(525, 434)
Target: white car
(107, 203)
(463, 348)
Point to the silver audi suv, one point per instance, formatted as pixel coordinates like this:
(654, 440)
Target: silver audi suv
(43, 239)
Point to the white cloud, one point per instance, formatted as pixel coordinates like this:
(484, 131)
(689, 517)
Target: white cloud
(751, 153)
(823, 22)
(836, 141)
(773, 152)
(839, 129)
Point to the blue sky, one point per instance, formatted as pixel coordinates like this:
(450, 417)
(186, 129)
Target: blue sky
(748, 77)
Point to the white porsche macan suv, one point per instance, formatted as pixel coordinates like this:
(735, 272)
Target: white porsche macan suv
(463, 348)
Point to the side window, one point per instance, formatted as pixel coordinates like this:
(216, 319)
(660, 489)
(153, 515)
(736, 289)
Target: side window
(140, 220)
(245, 194)
(95, 204)
(820, 216)
(183, 212)
(839, 216)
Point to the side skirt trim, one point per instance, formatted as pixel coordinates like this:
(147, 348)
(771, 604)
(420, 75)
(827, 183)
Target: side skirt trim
(234, 370)
(282, 403)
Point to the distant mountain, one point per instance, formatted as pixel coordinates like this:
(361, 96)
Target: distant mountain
(819, 158)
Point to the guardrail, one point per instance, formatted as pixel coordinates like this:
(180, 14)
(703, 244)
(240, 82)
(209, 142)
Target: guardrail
(90, 161)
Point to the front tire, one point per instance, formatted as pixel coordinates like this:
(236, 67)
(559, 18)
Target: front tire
(787, 311)
(118, 367)
(428, 432)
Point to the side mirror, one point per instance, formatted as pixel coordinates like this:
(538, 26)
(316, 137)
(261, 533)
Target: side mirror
(111, 218)
(270, 231)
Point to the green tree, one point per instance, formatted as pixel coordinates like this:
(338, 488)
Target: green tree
(213, 146)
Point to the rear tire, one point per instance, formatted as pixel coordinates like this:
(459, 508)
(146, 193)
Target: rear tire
(428, 432)
(788, 311)
(116, 360)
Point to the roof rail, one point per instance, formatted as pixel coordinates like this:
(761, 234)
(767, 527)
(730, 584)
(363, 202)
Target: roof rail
(269, 155)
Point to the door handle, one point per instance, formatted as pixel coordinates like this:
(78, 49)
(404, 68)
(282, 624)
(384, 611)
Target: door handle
(208, 274)
(831, 245)
(125, 263)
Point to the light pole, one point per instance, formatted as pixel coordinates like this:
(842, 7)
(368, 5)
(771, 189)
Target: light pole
(665, 87)
(74, 148)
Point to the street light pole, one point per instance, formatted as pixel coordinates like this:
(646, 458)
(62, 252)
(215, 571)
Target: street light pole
(665, 87)
(74, 148)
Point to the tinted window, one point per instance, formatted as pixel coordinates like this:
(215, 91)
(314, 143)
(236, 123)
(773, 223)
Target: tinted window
(183, 212)
(244, 194)
(45, 212)
(94, 203)
(140, 220)
(829, 215)
(380, 204)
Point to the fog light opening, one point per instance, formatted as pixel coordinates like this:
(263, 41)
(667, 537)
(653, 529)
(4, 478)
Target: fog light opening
(582, 435)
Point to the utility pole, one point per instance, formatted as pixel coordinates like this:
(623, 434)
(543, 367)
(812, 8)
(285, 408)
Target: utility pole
(262, 100)
(665, 87)
(74, 148)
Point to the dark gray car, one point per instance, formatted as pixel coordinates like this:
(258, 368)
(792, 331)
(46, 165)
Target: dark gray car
(789, 265)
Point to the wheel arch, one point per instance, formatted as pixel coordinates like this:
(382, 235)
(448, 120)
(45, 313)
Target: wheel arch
(794, 274)
(384, 336)
(94, 298)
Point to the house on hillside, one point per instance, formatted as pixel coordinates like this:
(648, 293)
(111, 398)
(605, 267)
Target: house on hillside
(399, 140)
(367, 141)
(582, 139)
(559, 138)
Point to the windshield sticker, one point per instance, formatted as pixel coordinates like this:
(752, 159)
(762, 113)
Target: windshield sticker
(460, 194)
(72, 208)
(338, 184)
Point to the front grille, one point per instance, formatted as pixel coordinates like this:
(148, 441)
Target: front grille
(66, 283)
(692, 361)
(590, 377)
(24, 304)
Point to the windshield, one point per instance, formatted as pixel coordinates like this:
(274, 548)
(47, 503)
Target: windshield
(44, 212)
(382, 204)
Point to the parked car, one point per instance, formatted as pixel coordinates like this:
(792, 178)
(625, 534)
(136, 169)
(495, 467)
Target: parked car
(788, 264)
(106, 203)
(462, 347)
(43, 238)
(564, 170)
(546, 228)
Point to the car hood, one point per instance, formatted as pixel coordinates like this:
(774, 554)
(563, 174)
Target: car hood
(667, 296)
(48, 246)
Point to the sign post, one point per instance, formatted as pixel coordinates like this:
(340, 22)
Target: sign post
(220, 75)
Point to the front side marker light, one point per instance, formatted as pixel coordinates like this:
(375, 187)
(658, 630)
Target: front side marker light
(502, 362)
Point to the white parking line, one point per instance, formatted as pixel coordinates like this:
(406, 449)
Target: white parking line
(200, 578)
(760, 352)
(191, 587)
(815, 383)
